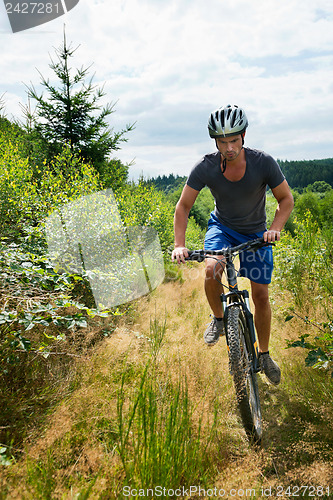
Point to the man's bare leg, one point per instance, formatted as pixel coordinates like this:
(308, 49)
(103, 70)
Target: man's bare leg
(262, 314)
(262, 320)
(214, 289)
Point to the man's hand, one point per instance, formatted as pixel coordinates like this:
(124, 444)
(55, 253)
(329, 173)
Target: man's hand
(179, 254)
(271, 235)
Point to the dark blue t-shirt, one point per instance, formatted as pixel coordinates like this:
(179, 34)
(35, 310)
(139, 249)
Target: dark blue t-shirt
(239, 205)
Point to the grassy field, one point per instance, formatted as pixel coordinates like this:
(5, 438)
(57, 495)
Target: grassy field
(152, 407)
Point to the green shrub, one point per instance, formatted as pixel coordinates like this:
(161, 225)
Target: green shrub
(304, 266)
(18, 191)
(142, 205)
(29, 193)
(63, 180)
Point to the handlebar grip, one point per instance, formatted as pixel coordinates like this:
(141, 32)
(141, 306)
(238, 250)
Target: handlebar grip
(197, 255)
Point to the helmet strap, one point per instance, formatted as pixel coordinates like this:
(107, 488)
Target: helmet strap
(224, 163)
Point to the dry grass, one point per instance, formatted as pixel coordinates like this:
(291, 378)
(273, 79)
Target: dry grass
(78, 442)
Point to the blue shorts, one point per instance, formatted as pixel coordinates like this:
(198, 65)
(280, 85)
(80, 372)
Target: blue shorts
(256, 266)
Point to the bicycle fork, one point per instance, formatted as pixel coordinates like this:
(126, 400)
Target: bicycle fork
(241, 298)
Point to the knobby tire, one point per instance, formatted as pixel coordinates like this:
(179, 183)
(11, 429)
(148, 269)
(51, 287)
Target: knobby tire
(245, 379)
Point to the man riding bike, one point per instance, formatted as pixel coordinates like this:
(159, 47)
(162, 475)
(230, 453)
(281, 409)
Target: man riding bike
(238, 178)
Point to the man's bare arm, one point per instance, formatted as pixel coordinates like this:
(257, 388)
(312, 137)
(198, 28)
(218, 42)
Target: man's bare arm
(285, 201)
(182, 211)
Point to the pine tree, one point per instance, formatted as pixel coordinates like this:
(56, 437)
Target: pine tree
(70, 114)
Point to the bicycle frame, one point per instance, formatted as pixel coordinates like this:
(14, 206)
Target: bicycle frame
(235, 295)
(241, 297)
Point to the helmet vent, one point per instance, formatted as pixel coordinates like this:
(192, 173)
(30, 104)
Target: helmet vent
(222, 118)
(227, 121)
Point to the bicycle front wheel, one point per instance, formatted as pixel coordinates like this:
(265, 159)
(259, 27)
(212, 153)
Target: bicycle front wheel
(241, 368)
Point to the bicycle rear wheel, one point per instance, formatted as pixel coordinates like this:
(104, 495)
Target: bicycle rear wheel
(245, 379)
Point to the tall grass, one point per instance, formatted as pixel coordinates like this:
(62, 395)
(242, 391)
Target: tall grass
(160, 440)
(305, 268)
(157, 335)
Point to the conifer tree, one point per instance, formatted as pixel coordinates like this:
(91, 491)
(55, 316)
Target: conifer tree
(70, 113)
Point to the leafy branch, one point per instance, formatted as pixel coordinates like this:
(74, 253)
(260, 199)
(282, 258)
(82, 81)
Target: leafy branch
(36, 300)
(320, 353)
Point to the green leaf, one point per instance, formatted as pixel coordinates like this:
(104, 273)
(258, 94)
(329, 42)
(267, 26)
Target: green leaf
(4, 460)
(315, 356)
(289, 317)
(30, 326)
(81, 323)
(25, 343)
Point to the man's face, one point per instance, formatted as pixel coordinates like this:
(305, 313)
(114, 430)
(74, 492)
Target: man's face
(230, 147)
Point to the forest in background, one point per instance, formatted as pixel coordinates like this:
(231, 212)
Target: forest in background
(301, 174)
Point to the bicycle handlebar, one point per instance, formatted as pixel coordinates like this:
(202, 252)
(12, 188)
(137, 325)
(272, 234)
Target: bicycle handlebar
(252, 245)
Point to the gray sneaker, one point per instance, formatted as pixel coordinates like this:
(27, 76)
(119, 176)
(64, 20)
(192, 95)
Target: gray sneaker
(213, 332)
(270, 368)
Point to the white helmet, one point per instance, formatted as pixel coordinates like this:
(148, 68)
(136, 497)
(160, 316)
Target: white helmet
(227, 121)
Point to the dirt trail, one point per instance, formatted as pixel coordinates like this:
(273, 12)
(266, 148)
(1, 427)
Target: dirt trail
(298, 436)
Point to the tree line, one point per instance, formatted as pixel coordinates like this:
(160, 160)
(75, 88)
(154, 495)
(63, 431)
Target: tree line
(299, 173)
(302, 173)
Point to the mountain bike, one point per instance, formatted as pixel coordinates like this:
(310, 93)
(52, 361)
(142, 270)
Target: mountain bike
(241, 337)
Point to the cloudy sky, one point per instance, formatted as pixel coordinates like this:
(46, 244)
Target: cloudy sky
(168, 64)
